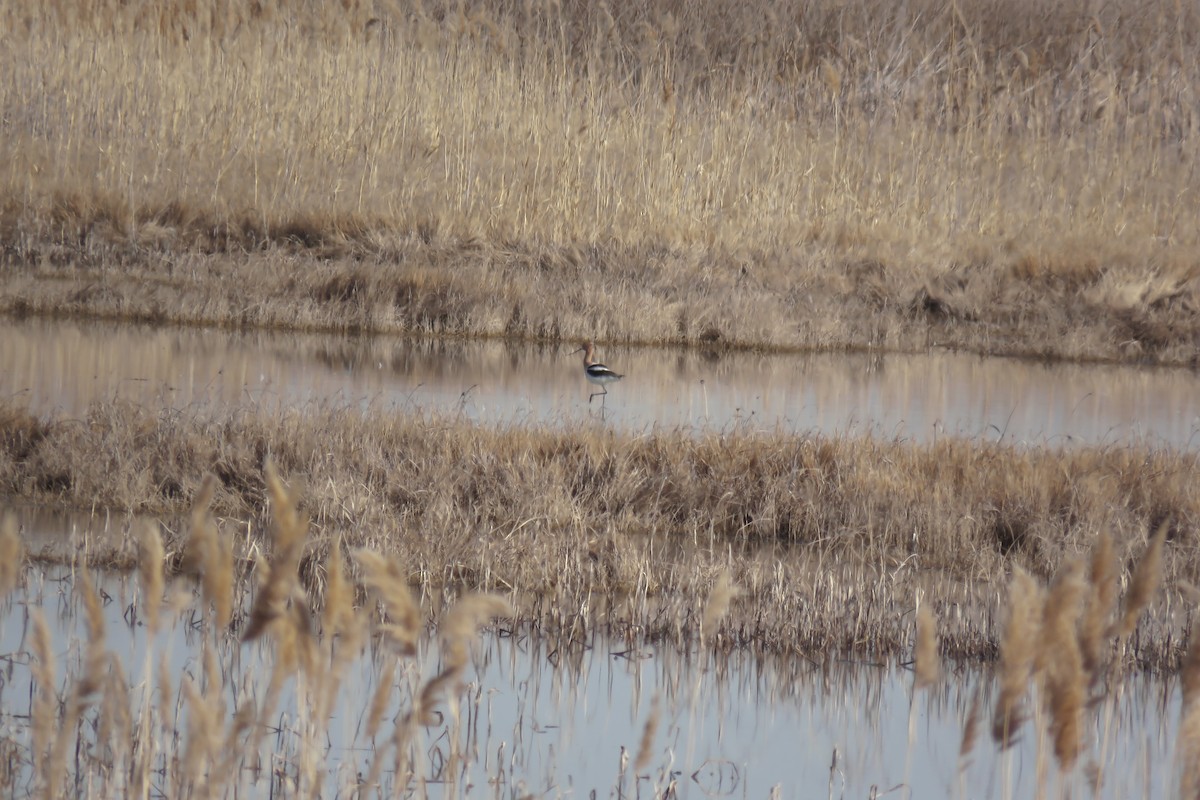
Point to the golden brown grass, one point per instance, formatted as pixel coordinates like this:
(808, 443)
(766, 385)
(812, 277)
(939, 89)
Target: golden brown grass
(823, 536)
(1008, 177)
(1041, 658)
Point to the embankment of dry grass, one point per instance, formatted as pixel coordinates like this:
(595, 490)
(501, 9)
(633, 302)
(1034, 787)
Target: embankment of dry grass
(832, 538)
(1012, 177)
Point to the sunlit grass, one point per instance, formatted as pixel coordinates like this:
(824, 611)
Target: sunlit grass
(805, 174)
(205, 731)
(831, 538)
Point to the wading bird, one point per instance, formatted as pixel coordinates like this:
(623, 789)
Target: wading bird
(594, 371)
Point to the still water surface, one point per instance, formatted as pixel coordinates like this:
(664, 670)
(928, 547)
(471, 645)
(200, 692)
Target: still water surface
(545, 720)
(64, 366)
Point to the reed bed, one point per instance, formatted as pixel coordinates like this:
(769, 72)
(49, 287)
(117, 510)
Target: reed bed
(830, 540)
(1008, 177)
(205, 732)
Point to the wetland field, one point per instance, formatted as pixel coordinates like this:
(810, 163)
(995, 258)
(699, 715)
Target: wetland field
(302, 492)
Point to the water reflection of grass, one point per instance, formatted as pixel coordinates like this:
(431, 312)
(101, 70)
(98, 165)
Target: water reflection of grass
(784, 174)
(830, 539)
(235, 724)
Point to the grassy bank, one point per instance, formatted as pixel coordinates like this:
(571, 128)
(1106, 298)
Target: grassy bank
(1006, 177)
(833, 539)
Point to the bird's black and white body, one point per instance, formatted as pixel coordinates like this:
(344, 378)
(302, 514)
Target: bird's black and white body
(596, 372)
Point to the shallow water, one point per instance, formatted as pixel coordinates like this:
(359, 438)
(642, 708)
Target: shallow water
(64, 365)
(534, 717)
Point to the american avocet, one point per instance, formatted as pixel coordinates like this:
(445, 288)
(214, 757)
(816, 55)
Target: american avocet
(594, 371)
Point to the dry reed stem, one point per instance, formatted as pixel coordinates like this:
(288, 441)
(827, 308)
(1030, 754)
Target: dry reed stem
(11, 553)
(45, 700)
(717, 605)
(208, 555)
(1143, 584)
(1018, 650)
(1102, 600)
(927, 663)
(1188, 742)
(338, 614)
(343, 630)
(202, 742)
(1061, 662)
(150, 572)
(89, 683)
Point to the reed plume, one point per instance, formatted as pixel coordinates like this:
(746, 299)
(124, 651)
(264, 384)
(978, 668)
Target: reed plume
(11, 553)
(458, 629)
(971, 726)
(280, 597)
(1143, 584)
(1101, 602)
(1188, 744)
(717, 605)
(150, 572)
(1061, 661)
(387, 582)
(646, 745)
(209, 556)
(927, 664)
(1018, 649)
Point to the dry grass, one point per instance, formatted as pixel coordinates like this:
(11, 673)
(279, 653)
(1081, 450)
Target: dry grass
(211, 750)
(1009, 177)
(829, 540)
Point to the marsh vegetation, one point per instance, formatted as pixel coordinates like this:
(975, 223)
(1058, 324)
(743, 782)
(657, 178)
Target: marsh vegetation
(1004, 178)
(832, 538)
(1011, 177)
(261, 705)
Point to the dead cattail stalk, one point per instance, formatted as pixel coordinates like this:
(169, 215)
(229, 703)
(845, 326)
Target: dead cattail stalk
(1143, 584)
(927, 665)
(1018, 648)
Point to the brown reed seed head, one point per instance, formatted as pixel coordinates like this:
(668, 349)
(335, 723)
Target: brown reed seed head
(1101, 602)
(1190, 669)
(1018, 648)
(386, 580)
(338, 614)
(926, 662)
(646, 745)
(150, 572)
(1144, 583)
(280, 597)
(11, 553)
(461, 624)
(1188, 747)
(717, 605)
(1064, 677)
(971, 726)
